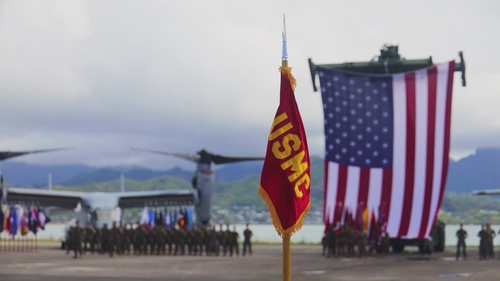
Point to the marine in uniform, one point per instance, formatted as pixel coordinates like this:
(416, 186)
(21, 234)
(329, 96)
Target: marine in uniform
(247, 242)
(482, 242)
(461, 247)
(94, 243)
(330, 242)
(490, 236)
(78, 234)
(87, 240)
(234, 242)
(105, 238)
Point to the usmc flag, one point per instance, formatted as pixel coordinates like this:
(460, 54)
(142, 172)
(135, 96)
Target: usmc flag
(286, 175)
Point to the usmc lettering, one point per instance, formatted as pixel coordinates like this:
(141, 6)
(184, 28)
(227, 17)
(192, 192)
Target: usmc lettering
(288, 147)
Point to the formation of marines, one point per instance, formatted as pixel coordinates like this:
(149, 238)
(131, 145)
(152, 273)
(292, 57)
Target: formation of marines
(347, 241)
(158, 240)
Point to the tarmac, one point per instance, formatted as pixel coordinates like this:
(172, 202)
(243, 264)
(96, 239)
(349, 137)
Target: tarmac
(52, 264)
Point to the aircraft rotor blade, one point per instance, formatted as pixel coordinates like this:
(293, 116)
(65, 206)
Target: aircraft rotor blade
(11, 154)
(186, 156)
(219, 159)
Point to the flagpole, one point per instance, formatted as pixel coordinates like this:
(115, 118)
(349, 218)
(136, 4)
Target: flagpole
(284, 52)
(287, 259)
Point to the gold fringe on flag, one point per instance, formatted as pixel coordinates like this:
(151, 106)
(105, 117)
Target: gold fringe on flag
(288, 72)
(276, 220)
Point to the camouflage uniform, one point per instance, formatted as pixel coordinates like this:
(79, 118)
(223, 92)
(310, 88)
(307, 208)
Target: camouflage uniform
(96, 235)
(227, 241)
(179, 238)
(214, 242)
(361, 241)
(78, 234)
(350, 241)
(105, 239)
(342, 238)
(207, 235)
(189, 241)
(330, 241)
(247, 242)
(88, 237)
(233, 242)
(386, 241)
(141, 240)
(127, 239)
(169, 239)
(222, 241)
(151, 240)
(198, 241)
(482, 242)
(69, 239)
(159, 233)
(490, 236)
(461, 235)
(115, 240)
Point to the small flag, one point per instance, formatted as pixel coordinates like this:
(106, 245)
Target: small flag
(151, 218)
(13, 222)
(42, 218)
(145, 216)
(365, 220)
(189, 217)
(1, 219)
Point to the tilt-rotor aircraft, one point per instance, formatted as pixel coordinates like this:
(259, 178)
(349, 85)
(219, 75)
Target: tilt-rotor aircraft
(204, 178)
(93, 207)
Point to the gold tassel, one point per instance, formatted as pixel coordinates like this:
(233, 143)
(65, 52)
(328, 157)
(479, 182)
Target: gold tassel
(288, 72)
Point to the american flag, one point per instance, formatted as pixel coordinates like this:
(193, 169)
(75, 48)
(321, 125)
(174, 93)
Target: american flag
(387, 144)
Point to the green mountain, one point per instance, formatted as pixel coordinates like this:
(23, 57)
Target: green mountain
(477, 171)
(159, 183)
(236, 189)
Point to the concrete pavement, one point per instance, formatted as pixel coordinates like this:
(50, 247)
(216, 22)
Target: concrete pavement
(51, 263)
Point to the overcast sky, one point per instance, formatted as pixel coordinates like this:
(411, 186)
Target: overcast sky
(105, 76)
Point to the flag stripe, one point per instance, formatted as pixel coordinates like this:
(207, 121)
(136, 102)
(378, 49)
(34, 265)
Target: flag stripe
(431, 127)
(410, 153)
(399, 109)
(421, 117)
(352, 190)
(374, 188)
(386, 193)
(364, 182)
(341, 192)
(447, 129)
(327, 212)
(333, 176)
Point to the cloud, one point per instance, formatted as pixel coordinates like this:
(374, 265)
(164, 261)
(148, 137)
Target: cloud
(104, 76)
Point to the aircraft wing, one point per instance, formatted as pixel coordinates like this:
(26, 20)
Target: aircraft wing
(56, 198)
(486, 192)
(133, 199)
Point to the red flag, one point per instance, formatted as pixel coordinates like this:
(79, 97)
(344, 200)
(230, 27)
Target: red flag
(286, 175)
